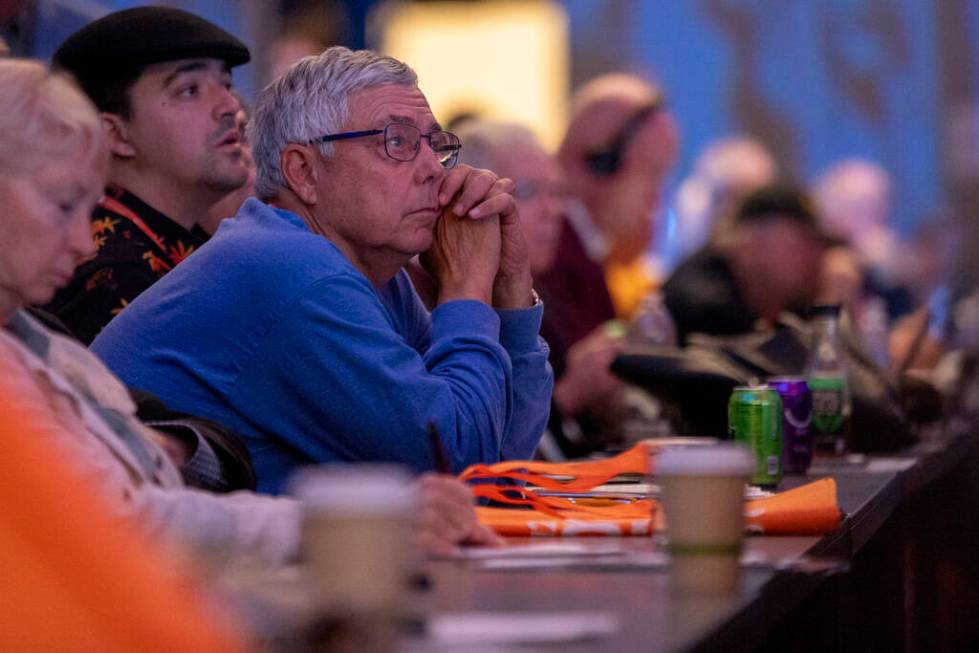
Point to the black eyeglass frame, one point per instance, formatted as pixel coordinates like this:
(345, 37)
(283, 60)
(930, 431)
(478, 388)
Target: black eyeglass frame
(449, 160)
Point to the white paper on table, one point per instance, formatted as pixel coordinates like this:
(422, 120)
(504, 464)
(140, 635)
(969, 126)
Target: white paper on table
(887, 465)
(639, 559)
(752, 492)
(488, 628)
(609, 490)
(541, 549)
(636, 559)
(633, 489)
(639, 490)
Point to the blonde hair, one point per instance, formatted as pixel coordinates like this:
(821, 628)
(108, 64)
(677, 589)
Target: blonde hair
(43, 115)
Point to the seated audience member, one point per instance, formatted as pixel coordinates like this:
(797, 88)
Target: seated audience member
(210, 456)
(136, 242)
(162, 79)
(619, 146)
(768, 261)
(935, 254)
(726, 171)
(920, 340)
(854, 201)
(512, 151)
(584, 387)
(52, 167)
(297, 324)
(68, 562)
(228, 205)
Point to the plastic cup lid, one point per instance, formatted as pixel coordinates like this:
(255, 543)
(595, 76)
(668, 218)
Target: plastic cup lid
(355, 489)
(716, 460)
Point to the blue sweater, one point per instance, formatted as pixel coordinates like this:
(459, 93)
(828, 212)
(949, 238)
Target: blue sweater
(269, 330)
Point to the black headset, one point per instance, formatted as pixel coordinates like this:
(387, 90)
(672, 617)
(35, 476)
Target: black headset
(606, 160)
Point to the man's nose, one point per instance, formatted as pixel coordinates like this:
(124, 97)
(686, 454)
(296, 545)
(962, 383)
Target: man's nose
(427, 163)
(226, 102)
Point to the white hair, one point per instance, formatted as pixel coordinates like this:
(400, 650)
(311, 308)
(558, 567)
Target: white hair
(309, 101)
(44, 116)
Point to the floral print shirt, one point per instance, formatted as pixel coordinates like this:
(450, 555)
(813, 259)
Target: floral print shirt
(137, 245)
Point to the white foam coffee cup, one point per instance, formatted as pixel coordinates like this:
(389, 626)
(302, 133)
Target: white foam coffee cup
(702, 494)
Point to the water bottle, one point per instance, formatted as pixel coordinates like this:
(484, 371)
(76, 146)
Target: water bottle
(653, 324)
(827, 377)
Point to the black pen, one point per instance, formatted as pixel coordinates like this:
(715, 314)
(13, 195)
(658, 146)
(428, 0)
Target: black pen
(438, 451)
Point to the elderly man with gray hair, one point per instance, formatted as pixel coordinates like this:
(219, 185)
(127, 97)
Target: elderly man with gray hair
(297, 324)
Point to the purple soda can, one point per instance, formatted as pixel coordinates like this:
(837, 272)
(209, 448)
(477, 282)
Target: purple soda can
(796, 422)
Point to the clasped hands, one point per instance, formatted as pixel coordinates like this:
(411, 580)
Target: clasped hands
(479, 251)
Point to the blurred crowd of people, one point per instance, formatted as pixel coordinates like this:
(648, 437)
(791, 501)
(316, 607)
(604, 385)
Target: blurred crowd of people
(751, 246)
(332, 277)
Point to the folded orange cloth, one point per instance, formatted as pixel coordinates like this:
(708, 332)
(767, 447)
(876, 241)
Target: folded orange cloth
(807, 510)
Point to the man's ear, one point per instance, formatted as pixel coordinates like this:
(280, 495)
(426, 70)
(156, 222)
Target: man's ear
(298, 163)
(117, 134)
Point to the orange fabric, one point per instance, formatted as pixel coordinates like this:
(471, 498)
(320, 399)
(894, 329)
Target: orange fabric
(74, 578)
(560, 516)
(585, 475)
(619, 519)
(628, 284)
(808, 510)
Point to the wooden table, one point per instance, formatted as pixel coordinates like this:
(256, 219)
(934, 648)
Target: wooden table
(869, 587)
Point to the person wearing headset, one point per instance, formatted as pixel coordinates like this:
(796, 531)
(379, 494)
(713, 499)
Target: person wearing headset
(620, 144)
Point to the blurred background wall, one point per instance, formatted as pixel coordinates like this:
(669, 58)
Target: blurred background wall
(895, 81)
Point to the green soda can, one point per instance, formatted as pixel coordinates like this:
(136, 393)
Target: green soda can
(754, 417)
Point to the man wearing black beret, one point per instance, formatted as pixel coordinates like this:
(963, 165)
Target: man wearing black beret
(161, 79)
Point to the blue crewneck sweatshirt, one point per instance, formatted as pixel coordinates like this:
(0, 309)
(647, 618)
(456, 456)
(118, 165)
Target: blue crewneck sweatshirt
(271, 331)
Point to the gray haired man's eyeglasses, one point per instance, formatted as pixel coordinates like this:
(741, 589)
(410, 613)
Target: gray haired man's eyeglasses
(403, 141)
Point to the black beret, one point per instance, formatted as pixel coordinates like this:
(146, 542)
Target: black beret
(127, 40)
